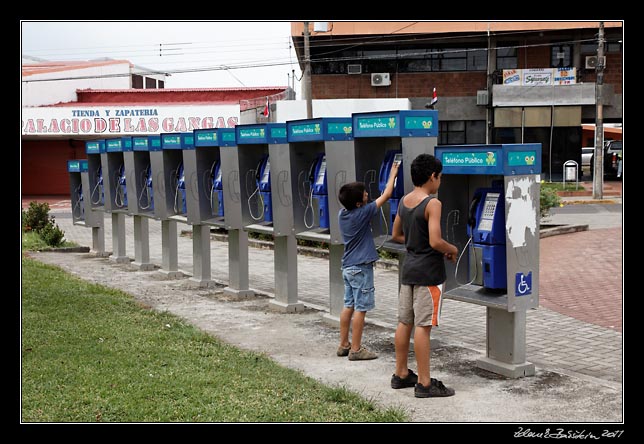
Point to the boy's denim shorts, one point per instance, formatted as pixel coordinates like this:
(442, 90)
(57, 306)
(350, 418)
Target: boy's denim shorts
(359, 292)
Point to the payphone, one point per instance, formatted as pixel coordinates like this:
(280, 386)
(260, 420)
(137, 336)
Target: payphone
(486, 229)
(216, 188)
(264, 187)
(146, 198)
(78, 211)
(120, 193)
(97, 196)
(490, 200)
(94, 150)
(391, 157)
(180, 190)
(318, 192)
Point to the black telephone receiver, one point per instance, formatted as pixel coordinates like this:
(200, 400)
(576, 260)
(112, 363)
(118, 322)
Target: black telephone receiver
(471, 221)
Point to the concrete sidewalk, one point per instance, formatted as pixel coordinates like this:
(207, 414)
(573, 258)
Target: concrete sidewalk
(578, 358)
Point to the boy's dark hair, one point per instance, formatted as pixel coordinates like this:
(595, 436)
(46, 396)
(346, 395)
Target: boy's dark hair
(422, 168)
(351, 194)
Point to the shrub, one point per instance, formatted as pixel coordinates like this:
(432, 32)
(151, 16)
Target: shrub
(36, 217)
(549, 198)
(52, 234)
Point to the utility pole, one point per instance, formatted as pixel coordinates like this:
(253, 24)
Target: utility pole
(598, 177)
(307, 73)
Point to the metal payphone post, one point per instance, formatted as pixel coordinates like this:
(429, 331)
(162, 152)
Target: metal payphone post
(232, 198)
(379, 134)
(320, 160)
(165, 157)
(140, 203)
(484, 186)
(265, 194)
(94, 194)
(185, 195)
(82, 212)
(115, 177)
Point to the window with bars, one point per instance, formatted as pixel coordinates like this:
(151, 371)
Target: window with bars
(458, 132)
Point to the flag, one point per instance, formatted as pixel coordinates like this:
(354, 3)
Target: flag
(434, 98)
(267, 109)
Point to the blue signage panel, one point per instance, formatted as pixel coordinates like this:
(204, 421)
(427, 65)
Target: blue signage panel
(187, 141)
(113, 145)
(338, 128)
(276, 133)
(95, 147)
(226, 136)
(73, 166)
(522, 158)
(506, 159)
(404, 123)
(522, 284)
(470, 159)
(251, 134)
(154, 143)
(171, 141)
(206, 137)
(327, 128)
(140, 143)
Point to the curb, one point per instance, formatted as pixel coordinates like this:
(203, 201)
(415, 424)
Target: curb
(65, 250)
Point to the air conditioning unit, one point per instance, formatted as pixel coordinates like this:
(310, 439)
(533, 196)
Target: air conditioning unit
(354, 68)
(591, 62)
(482, 97)
(380, 79)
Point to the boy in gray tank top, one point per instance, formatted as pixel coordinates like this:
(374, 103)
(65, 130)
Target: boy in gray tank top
(417, 225)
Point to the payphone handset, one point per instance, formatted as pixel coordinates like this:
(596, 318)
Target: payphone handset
(146, 200)
(262, 186)
(180, 190)
(391, 157)
(120, 196)
(98, 188)
(216, 187)
(78, 210)
(318, 191)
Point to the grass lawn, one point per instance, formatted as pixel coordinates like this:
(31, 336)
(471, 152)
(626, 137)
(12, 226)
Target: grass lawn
(92, 354)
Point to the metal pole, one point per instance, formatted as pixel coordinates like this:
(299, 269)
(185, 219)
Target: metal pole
(598, 177)
(307, 73)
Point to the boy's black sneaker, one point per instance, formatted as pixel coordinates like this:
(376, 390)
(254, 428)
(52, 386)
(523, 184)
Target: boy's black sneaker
(408, 381)
(436, 389)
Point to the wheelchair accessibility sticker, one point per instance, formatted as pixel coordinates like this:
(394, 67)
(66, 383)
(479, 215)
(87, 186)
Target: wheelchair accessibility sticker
(523, 284)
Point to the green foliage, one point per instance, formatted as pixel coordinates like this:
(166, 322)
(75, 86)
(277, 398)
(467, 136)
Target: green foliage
(52, 234)
(38, 220)
(36, 217)
(92, 354)
(548, 199)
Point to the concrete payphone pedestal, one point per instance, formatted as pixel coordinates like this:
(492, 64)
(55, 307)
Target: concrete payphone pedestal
(263, 153)
(490, 199)
(317, 161)
(165, 163)
(141, 198)
(182, 181)
(232, 208)
(94, 194)
(82, 212)
(115, 177)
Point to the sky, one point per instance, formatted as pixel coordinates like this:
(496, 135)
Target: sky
(221, 54)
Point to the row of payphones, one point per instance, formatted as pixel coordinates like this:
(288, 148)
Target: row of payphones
(485, 225)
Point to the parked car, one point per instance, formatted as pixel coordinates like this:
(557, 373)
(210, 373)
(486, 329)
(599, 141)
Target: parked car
(612, 156)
